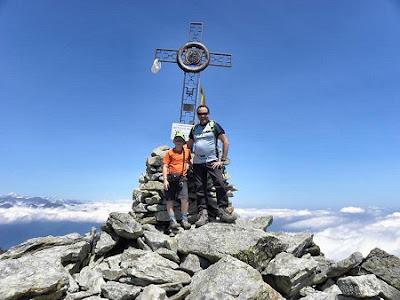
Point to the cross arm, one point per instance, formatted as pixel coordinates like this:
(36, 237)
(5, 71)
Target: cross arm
(220, 60)
(166, 55)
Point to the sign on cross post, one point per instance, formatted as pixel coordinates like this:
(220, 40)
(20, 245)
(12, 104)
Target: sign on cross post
(193, 57)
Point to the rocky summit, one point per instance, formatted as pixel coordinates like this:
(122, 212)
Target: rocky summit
(135, 256)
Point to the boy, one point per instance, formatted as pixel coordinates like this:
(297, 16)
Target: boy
(176, 163)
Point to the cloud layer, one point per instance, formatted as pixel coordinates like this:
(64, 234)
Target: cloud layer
(96, 212)
(338, 233)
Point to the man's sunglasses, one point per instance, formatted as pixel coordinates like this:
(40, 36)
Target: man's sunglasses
(202, 114)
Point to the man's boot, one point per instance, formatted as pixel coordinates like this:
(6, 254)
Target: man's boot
(203, 218)
(226, 215)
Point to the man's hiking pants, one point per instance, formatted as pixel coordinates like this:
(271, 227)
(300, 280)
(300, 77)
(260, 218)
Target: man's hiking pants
(200, 172)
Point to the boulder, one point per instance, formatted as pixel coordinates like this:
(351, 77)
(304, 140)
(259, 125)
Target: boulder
(152, 186)
(262, 222)
(153, 292)
(367, 286)
(160, 151)
(169, 254)
(105, 243)
(215, 240)
(383, 265)
(90, 279)
(156, 240)
(147, 267)
(35, 267)
(343, 266)
(124, 225)
(191, 264)
(288, 273)
(119, 291)
(230, 278)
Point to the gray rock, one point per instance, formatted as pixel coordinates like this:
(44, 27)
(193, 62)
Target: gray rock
(153, 292)
(181, 295)
(191, 264)
(155, 199)
(90, 279)
(142, 244)
(80, 295)
(297, 242)
(119, 291)
(124, 225)
(140, 208)
(148, 220)
(73, 285)
(22, 267)
(168, 254)
(367, 286)
(306, 291)
(95, 298)
(343, 266)
(160, 151)
(215, 240)
(155, 161)
(146, 267)
(262, 222)
(324, 296)
(105, 243)
(383, 265)
(230, 278)
(324, 266)
(156, 207)
(152, 186)
(333, 289)
(157, 240)
(288, 274)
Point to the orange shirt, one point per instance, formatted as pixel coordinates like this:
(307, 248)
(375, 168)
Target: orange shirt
(174, 160)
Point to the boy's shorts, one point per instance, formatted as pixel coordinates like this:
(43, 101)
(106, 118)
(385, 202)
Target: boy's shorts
(177, 190)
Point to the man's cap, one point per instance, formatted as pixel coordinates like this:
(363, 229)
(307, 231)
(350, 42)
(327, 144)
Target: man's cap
(181, 135)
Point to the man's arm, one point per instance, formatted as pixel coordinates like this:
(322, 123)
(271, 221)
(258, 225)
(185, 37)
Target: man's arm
(189, 144)
(224, 139)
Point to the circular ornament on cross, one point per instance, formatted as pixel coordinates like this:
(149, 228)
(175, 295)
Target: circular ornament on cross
(193, 57)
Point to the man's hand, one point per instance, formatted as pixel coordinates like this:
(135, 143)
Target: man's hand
(166, 185)
(217, 164)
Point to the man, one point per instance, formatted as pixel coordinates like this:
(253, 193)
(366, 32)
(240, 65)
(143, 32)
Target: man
(203, 140)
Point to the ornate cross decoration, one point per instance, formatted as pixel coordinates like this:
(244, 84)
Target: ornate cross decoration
(193, 57)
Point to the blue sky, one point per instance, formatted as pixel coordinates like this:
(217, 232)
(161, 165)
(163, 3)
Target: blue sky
(311, 104)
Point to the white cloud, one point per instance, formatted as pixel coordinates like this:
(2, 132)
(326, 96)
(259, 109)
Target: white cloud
(315, 222)
(87, 212)
(352, 210)
(247, 213)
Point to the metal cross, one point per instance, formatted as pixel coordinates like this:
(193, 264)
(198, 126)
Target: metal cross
(193, 57)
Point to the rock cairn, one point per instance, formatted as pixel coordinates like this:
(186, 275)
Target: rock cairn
(149, 199)
(130, 258)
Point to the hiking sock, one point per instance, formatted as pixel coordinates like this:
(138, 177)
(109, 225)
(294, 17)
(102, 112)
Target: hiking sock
(172, 217)
(184, 216)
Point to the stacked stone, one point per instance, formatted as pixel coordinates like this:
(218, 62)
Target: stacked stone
(149, 199)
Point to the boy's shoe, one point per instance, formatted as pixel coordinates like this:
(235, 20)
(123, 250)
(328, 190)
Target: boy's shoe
(186, 225)
(173, 224)
(226, 215)
(203, 218)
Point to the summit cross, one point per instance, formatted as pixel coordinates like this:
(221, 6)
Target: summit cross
(193, 57)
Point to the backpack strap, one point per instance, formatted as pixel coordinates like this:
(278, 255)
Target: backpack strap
(213, 129)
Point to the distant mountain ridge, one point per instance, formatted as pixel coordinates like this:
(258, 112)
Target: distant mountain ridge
(13, 200)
